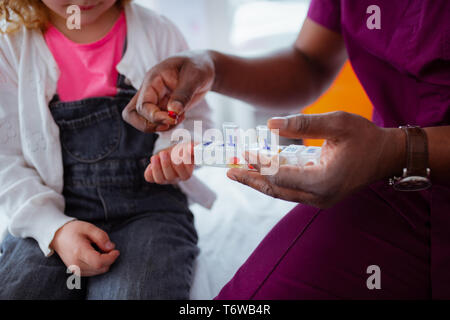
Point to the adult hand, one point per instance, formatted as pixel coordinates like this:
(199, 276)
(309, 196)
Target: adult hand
(73, 243)
(174, 85)
(355, 154)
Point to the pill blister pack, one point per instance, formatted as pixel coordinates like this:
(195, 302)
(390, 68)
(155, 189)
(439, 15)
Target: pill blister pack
(229, 152)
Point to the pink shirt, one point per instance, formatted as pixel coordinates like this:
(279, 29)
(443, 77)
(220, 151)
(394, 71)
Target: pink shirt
(87, 70)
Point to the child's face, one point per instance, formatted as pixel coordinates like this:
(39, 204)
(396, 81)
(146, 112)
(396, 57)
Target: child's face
(91, 10)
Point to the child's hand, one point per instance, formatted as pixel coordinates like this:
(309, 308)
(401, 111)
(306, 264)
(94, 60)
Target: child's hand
(171, 165)
(73, 243)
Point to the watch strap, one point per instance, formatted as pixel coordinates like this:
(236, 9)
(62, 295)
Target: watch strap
(416, 151)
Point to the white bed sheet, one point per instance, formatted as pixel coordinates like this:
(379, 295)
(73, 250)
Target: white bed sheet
(228, 234)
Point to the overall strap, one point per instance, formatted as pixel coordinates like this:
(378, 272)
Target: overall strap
(124, 87)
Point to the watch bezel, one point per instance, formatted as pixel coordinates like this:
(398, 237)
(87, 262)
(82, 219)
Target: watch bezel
(412, 183)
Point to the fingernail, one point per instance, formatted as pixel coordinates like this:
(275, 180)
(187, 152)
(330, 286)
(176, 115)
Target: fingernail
(109, 246)
(278, 123)
(175, 106)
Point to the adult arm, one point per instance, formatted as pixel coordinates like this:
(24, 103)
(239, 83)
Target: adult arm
(439, 153)
(291, 78)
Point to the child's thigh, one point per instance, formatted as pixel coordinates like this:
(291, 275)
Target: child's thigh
(25, 273)
(157, 253)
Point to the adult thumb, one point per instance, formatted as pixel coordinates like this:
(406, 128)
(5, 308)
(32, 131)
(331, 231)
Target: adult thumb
(318, 126)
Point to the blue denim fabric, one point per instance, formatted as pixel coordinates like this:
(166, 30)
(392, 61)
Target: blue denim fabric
(104, 163)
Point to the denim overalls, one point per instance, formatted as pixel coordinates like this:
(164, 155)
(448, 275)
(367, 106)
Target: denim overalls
(105, 159)
(151, 225)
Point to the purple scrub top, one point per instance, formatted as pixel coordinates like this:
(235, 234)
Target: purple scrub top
(400, 51)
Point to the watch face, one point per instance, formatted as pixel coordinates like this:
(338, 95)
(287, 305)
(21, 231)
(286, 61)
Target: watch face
(414, 183)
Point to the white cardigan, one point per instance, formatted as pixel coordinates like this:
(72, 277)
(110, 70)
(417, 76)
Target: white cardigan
(31, 169)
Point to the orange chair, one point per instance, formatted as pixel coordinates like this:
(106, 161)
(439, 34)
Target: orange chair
(346, 94)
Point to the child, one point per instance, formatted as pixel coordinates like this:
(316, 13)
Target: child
(72, 171)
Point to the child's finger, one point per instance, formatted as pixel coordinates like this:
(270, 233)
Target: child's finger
(183, 171)
(86, 270)
(109, 258)
(94, 259)
(99, 237)
(148, 174)
(178, 154)
(158, 175)
(166, 164)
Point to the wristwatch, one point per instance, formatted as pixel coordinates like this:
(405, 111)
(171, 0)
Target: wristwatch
(416, 175)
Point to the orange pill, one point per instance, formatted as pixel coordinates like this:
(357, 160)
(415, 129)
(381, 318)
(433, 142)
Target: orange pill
(235, 160)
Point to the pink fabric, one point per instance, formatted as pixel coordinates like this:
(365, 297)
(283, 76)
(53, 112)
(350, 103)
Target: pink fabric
(87, 70)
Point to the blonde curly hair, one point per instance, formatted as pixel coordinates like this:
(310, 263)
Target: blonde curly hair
(32, 14)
